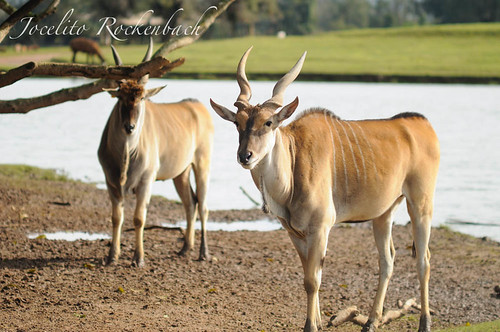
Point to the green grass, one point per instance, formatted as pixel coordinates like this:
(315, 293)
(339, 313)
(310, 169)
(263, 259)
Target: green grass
(17, 172)
(461, 50)
(447, 50)
(481, 327)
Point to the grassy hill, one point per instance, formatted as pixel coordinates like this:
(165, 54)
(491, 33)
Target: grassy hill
(461, 50)
(470, 50)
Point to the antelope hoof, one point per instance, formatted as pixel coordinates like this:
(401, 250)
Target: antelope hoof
(137, 261)
(111, 259)
(204, 257)
(310, 327)
(369, 327)
(425, 324)
(184, 250)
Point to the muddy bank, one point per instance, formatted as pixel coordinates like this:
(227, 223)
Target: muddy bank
(254, 282)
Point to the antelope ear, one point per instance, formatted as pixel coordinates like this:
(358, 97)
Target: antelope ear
(223, 112)
(287, 111)
(112, 92)
(151, 92)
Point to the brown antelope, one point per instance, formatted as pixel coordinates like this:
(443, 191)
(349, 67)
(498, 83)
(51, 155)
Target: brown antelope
(320, 170)
(86, 45)
(145, 141)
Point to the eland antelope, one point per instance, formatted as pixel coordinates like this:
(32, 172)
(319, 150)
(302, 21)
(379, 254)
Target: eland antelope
(145, 141)
(88, 46)
(320, 170)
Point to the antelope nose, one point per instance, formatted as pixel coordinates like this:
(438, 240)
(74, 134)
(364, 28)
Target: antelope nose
(129, 128)
(245, 157)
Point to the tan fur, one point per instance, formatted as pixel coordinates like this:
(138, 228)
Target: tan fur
(321, 170)
(168, 141)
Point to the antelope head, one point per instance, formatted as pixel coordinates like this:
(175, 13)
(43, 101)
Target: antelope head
(257, 124)
(131, 95)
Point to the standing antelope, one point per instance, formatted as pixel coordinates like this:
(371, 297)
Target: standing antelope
(85, 45)
(320, 170)
(145, 141)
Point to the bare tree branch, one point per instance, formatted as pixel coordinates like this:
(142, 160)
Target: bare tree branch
(6, 7)
(16, 16)
(205, 23)
(80, 92)
(51, 9)
(156, 67)
(352, 314)
(87, 90)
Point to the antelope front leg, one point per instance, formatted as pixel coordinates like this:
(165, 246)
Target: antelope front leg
(143, 194)
(186, 194)
(117, 220)
(312, 252)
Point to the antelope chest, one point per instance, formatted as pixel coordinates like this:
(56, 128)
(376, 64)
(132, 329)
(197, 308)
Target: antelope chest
(272, 206)
(280, 211)
(141, 170)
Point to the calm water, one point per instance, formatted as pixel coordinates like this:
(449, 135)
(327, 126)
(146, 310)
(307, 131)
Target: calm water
(254, 225)
(466, 119)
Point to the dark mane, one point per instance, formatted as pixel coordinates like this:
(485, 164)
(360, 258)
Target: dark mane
(192, 100)
(408, 115)
(317, 110)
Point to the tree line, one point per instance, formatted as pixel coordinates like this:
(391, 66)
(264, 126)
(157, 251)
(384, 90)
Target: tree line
(267, 17)
(309, 16)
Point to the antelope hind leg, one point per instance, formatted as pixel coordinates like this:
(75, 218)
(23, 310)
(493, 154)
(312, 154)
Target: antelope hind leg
(201, 170)
(187, 196)
(420, 209)
(382, 231)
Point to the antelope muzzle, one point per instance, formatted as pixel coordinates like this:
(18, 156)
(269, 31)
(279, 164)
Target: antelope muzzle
(129, 128)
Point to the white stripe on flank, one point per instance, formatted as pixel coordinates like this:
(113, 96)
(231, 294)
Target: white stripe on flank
(360, 151)
(369, 147)
(333, 147)
(352, 150)
(343, 155)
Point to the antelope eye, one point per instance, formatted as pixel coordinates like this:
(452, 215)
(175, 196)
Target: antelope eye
(269, 123)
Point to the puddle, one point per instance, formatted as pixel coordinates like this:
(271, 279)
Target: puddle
(257, 225)
(70, 236)
(254, 225)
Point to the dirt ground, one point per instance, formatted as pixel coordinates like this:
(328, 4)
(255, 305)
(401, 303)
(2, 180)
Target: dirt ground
(22, 58)
(253, 283)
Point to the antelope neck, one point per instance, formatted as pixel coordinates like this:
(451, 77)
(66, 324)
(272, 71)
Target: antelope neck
(275, 174)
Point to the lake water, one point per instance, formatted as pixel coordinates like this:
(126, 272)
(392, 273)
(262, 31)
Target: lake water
(253, 225)
(465, 117)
